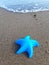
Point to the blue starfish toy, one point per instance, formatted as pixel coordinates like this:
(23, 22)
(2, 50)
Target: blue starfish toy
(27, 45)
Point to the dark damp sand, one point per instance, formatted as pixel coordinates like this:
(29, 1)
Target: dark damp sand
(17, 25)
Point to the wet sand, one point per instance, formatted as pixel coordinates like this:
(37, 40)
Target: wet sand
(16, 25)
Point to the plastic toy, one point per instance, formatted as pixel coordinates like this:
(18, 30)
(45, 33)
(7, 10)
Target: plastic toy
(27, 45)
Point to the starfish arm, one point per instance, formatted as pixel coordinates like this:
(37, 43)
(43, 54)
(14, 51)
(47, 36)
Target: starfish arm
(19, 41)
(21, 50)
(30, 52)
(35, 43)
(27, 37)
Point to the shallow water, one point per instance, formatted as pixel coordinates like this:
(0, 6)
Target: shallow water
(25, 5)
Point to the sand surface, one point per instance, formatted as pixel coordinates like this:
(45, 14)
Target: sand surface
(17, 25)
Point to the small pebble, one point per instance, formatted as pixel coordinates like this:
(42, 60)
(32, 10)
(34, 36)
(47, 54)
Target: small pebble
(47, 51)
(34, 15)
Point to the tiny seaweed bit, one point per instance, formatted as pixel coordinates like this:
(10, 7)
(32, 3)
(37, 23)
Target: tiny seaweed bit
(27, 45)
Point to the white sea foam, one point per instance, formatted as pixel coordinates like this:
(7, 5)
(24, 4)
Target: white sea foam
(25, 6)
